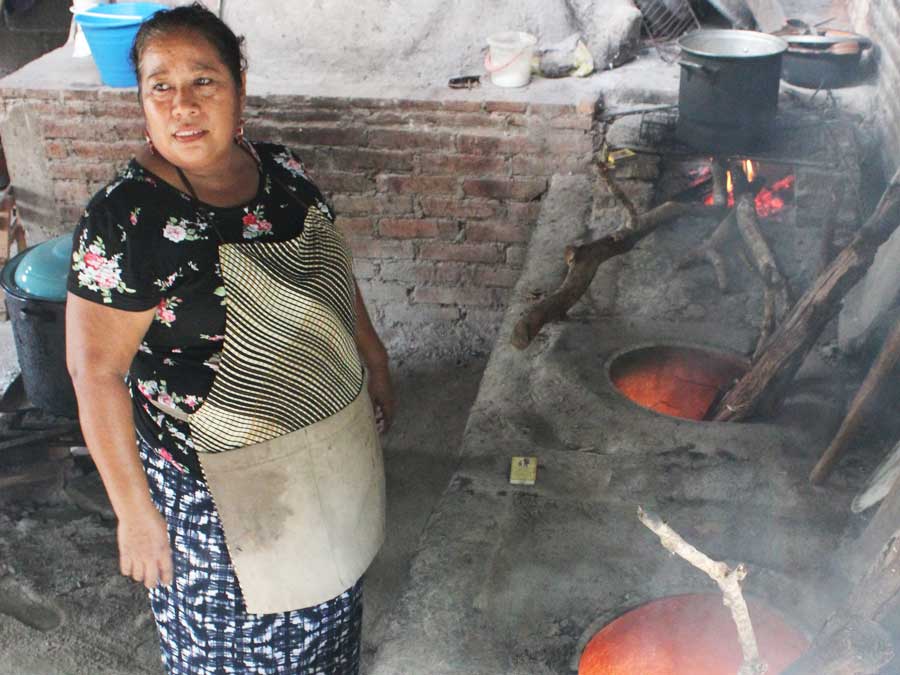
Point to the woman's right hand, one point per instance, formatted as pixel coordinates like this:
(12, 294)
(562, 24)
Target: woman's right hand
(144, 552)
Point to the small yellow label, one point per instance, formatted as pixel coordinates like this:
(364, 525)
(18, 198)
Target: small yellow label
(619, 156)
(523, 471)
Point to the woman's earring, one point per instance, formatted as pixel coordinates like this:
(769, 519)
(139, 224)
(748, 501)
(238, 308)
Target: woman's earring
(149, 142)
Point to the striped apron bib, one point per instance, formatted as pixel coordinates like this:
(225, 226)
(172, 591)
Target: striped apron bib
(286, 437)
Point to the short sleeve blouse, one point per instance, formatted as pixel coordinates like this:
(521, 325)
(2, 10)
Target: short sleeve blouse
(141, 243)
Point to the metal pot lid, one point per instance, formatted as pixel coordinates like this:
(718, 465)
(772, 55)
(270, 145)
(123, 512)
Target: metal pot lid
(40, 272)
(732, 44)
(825, 41)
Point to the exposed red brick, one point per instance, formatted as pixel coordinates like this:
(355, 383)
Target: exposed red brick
(459, 165)
(442, 207)
(79, 94)
(506, 106)
(418, 184)
(104, 151)
(343, 182)
(587, 106)
(387, 118)
(76, 128)
(499, 232)
(482, 253)
(550, 109)
(314, 135)
(500, 277)
(56, 149)
(302, 116)
(81, 171)
(521, 190)
(426, 272)
(345, 159)
(401, 139)
(524, 213)
(352, 227)
(363, 247)
(394, 205)
(494, 144)
(414, 228)
(462, 106)
(403, 314)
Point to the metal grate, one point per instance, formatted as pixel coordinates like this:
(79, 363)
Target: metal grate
(665, 21)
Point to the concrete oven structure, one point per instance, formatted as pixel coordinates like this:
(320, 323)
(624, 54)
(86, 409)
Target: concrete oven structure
(458, 205)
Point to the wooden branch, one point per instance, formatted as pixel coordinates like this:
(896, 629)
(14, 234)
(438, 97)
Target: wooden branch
(618, 193)
(767, 381)
(583, 262)
(709, 251)
(727, 579)
(879, 372)
(768, 321)
(748, 226)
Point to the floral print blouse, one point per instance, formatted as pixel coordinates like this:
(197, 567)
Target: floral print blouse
(141, 243)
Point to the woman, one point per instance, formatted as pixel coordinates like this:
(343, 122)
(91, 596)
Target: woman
(267, 414)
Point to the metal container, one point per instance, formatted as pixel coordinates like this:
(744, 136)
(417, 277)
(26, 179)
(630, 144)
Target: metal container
(728, 93)
(823, 61)
(35, 285)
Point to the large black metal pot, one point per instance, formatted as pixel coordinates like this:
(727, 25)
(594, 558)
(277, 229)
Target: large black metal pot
(728, 93)
(37, 314)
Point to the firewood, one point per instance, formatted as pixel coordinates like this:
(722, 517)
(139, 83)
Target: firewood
(878, 373)
(709, 251)
(728, 580)
(748, 226)
(584, 260)
(765, 384)
(768, 322)
(720, 182)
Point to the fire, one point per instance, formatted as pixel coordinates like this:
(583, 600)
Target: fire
(770, 200)
(687, 635)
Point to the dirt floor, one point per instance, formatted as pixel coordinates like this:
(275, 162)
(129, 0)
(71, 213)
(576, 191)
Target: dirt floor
(64, 609)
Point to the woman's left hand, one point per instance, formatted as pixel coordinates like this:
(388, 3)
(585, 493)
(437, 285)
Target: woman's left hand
(381, 391)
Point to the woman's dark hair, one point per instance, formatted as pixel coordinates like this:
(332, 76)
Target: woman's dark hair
(198, 20)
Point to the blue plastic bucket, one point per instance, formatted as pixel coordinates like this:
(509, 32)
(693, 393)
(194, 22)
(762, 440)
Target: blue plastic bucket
(110, 30)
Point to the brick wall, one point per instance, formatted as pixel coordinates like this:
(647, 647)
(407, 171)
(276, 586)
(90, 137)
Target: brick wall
(437, 199)
(880, 19)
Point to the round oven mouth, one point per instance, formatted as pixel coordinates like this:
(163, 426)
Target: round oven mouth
(684, 381)
(692, 633)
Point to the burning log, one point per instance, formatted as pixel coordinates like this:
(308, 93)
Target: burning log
(727, 579)
(584, 260)
(880, 370)
(765, 384)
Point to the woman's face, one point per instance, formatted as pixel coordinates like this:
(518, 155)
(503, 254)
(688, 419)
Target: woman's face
(191, 103)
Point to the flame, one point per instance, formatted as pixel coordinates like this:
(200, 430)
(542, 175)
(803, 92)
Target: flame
(769, 201)
(749, 169)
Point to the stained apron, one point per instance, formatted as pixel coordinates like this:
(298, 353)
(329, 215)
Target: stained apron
(302, 504)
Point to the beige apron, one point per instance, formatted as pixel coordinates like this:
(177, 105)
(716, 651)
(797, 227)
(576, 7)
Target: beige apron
(303, 510)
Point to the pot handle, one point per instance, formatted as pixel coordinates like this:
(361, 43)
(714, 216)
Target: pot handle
(708, 72)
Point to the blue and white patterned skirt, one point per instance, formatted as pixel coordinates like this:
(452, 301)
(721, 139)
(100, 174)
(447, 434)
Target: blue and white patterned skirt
(204, 627)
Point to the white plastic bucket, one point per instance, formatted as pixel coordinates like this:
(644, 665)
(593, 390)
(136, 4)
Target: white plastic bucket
(509, 58)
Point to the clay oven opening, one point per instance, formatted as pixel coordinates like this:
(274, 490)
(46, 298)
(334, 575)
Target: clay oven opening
(685, 634)
(679, 381)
